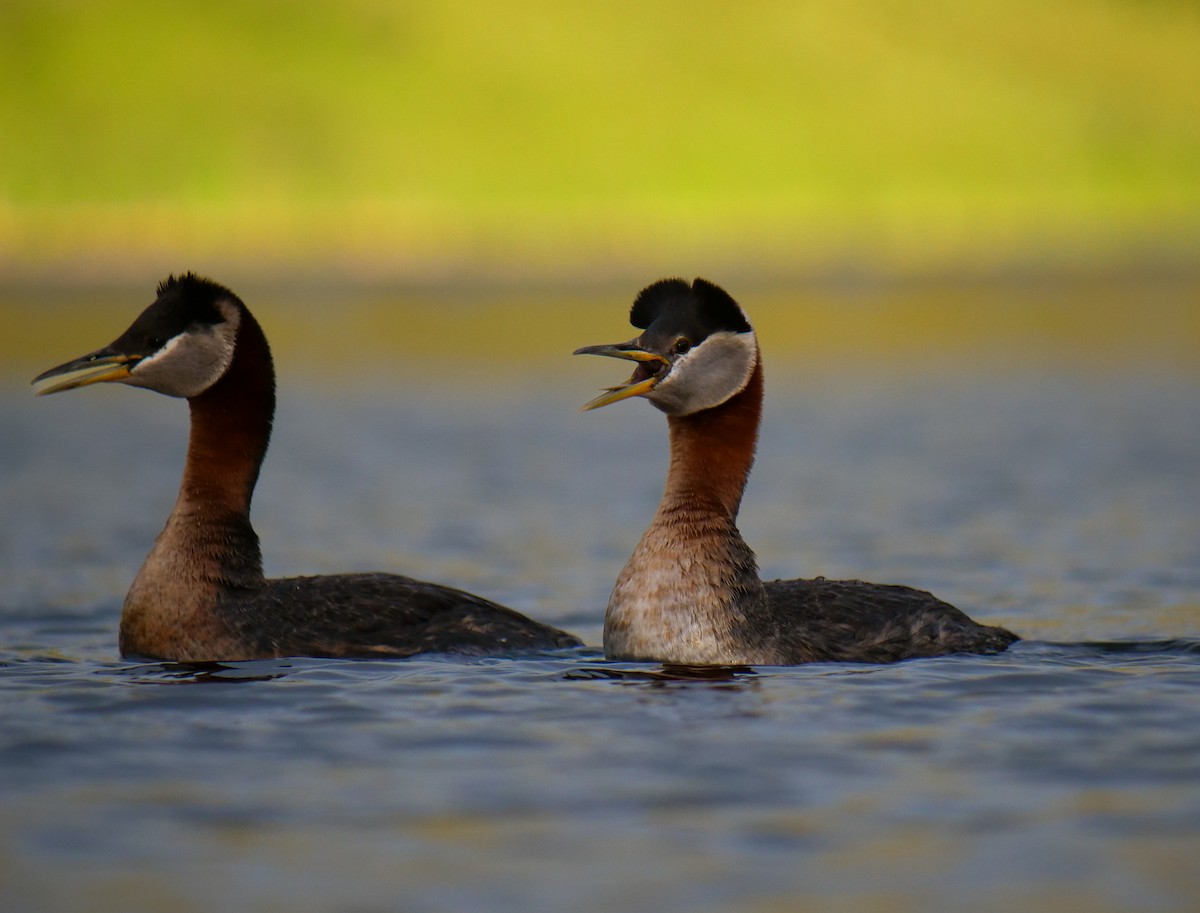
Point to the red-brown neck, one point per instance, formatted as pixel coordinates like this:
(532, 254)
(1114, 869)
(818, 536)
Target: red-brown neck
(208, 549)
(231, 427)
(712, 451)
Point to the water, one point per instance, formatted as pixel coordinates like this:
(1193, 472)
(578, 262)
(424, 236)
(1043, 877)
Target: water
(1063, 775)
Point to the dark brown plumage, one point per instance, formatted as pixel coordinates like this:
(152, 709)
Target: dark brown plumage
(690, 592)
(201, 594)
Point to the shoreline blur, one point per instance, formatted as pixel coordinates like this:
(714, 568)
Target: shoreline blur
(854, 322)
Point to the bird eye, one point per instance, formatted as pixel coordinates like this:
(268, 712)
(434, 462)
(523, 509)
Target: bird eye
(682, 344)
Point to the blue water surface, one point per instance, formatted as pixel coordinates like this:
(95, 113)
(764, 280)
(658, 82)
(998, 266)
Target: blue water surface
(1062, 775)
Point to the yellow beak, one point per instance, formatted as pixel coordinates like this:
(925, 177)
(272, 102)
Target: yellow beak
(96, 368)
(633, 352)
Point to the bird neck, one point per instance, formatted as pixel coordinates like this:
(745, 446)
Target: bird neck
(231, 427)
(208, 550)
(712, 453)
(686, 592)
(209, 528)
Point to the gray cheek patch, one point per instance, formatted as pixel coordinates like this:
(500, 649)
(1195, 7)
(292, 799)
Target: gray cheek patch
(191, 362)
(711, 373)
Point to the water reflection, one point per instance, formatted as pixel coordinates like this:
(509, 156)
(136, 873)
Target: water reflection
(1061, 771)
(1114, 648)
(207, 673)
(667, 674)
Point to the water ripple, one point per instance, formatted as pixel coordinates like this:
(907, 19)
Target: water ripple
(1059, 775)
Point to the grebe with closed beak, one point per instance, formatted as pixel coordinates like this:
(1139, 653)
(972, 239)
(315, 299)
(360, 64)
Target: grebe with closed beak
(201, 594)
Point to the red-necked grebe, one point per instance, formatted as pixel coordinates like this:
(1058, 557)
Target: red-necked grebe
(690, 593)
(201, 594)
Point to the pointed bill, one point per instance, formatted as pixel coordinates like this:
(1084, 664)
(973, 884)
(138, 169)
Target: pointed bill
(638, 385)
(616, 394)
(90, 369)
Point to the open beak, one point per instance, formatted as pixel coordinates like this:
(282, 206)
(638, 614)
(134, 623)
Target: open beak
(649, 372)
(99, 367)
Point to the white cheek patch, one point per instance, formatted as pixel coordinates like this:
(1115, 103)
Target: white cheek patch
(711, 373)
(191, 362)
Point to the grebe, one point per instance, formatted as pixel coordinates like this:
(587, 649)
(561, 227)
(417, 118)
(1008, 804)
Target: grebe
(690, 593)
(201, 595)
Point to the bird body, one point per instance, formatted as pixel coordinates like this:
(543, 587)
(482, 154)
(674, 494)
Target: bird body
(201, 594)
(690, 593)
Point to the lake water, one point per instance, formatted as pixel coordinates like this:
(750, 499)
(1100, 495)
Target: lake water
(1063, 775)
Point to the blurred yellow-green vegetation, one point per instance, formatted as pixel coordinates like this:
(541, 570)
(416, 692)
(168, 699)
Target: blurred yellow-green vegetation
(540, 133)
(597, 142)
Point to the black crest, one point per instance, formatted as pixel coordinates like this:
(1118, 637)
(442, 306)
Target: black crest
(183, 302)
(194, 297)
(700, 308)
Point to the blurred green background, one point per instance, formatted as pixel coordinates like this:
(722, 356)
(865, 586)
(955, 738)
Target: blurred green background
(285, 145)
